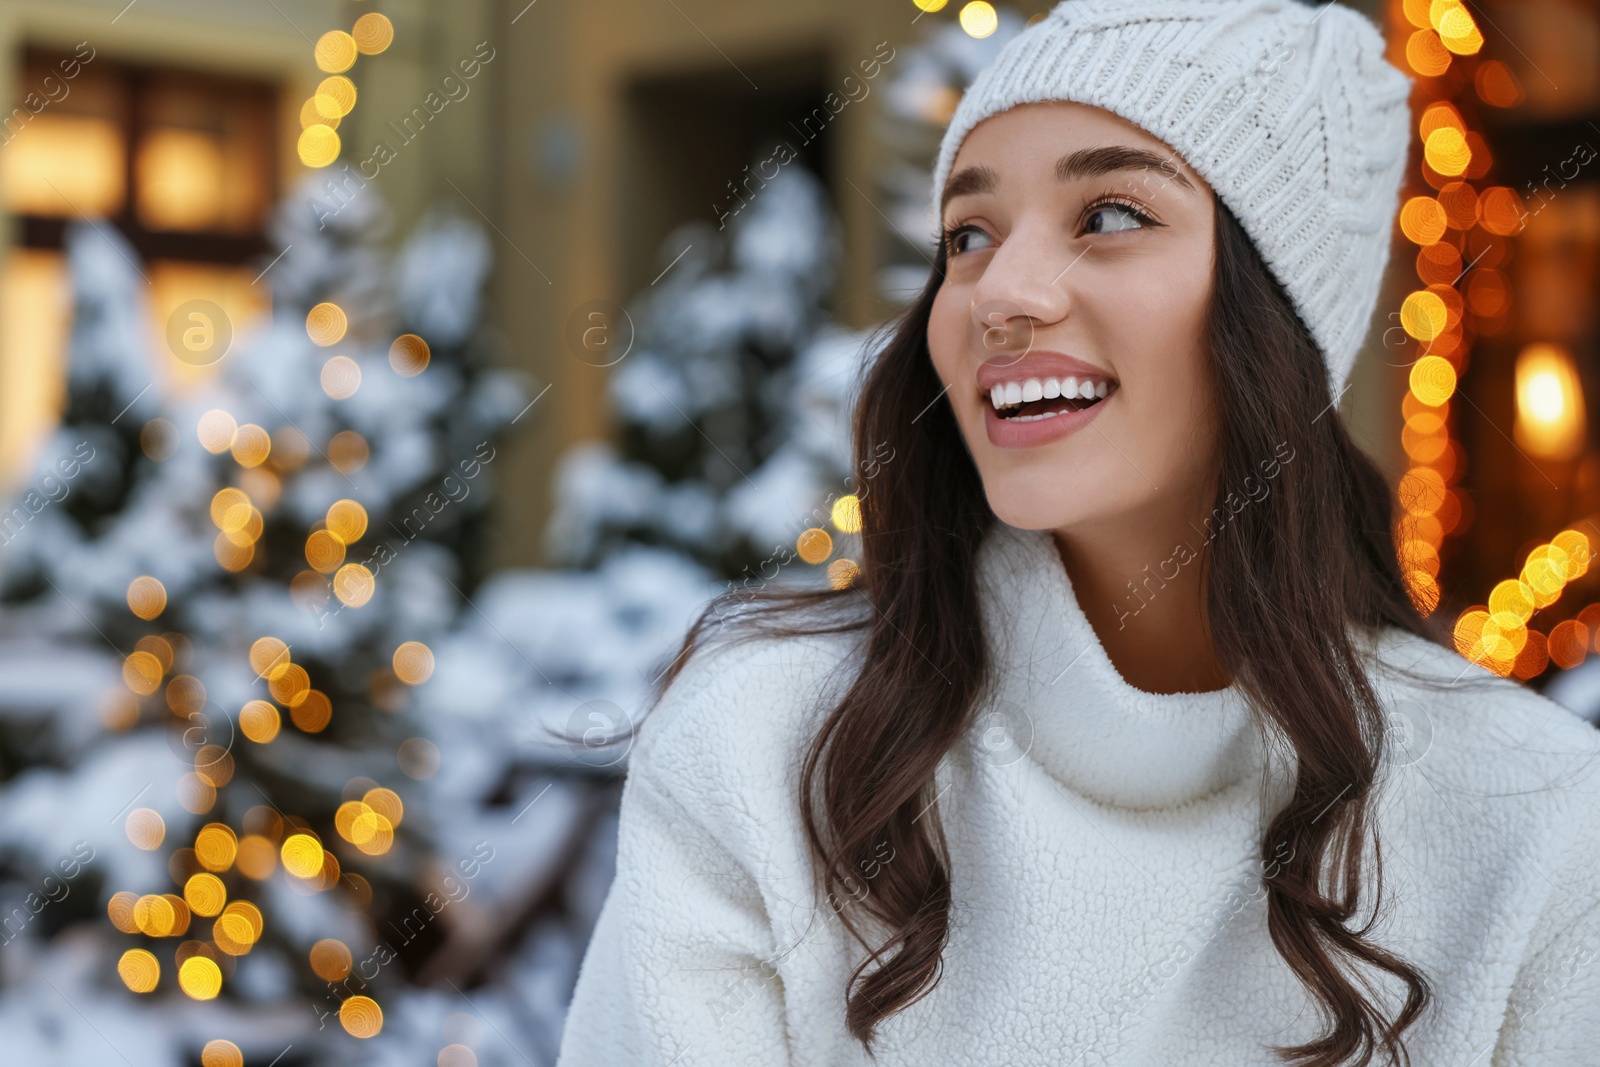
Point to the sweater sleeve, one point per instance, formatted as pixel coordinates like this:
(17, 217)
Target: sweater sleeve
(1553, 1014)
(681, 968)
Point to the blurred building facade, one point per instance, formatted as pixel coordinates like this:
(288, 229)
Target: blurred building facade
(587, 133)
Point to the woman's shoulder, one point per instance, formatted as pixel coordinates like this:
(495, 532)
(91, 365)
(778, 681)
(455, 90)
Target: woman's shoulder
(737, 716)
(1454, 698)
(1487, 745)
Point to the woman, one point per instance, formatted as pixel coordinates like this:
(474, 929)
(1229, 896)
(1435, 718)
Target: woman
(1127, 745)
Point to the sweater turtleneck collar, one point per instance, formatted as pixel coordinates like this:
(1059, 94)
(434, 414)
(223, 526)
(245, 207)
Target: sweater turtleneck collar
(1065, 706)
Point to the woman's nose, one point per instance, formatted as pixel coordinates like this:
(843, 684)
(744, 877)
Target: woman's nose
(1025, 284)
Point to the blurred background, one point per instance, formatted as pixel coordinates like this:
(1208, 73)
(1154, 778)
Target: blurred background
(385, 383)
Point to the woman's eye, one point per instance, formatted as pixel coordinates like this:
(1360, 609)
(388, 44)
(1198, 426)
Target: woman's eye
(953, 243)
(1138, 219)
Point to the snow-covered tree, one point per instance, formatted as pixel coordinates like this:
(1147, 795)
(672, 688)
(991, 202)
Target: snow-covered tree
(731, 402)
(217, 636)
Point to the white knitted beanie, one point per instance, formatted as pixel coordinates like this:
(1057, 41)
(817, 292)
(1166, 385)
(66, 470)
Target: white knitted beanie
(1289, 112)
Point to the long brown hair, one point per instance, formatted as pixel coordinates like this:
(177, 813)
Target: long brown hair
(1284, 584)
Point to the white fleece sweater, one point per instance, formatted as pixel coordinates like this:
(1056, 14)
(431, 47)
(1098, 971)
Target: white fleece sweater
(1108, 905)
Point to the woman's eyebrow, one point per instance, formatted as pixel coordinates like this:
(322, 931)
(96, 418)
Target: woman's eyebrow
(1082, 163)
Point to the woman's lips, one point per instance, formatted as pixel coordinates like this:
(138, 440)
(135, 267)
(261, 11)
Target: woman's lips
(1010, 433)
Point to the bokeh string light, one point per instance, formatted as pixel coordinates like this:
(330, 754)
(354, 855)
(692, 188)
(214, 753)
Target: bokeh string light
(1461, 232)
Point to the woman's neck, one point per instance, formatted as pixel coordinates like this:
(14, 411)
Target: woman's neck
(1147, 607)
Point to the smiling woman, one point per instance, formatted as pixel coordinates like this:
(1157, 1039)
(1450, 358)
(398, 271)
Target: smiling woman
(959, 813)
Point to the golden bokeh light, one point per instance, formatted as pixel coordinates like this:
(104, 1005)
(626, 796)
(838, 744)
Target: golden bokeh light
(141, 672)
(372, 33)
(1497, 85)
(302, 855)
(290, 685)
(313, 713)
(147, 597)
(243, 524)
(139, 970)
(215, 764)
(181, 914)
(225, 501)
(347, 520)
(145, 828)
(345, 816)
(200, 977)
(215, 846)
(258, 857)
(1578, 550)
(409, 355)
(348, 451)
(221, 1053)
(205, 894)
(1423, 220)
(361, 1016)
(324, 551)
(1446, 150)
(335, 52)
(385, 802)
(371, 833)
(311, 115)
(251, 445)
(413, 662)
(1427, 54)
(1550, 417)
(341, 91)
(1424, 314)
(841, 572)
(341, 377)
(231, 556)
(250, 915)
(269, 657)
(330, 959)
(155, 915)
(330, 874)
(159, 647)
(216, 429)
(1568, 644)
(186, 695)
(814, 545)
(259, 721)
(978, 19)
(353, 584)
(232, 934)
(120, 911)
(326, 324)
(846, 514)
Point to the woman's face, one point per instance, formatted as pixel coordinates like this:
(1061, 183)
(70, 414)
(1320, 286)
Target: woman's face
(1080, 250)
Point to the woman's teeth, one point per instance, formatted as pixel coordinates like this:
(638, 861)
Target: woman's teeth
(1012, 394)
